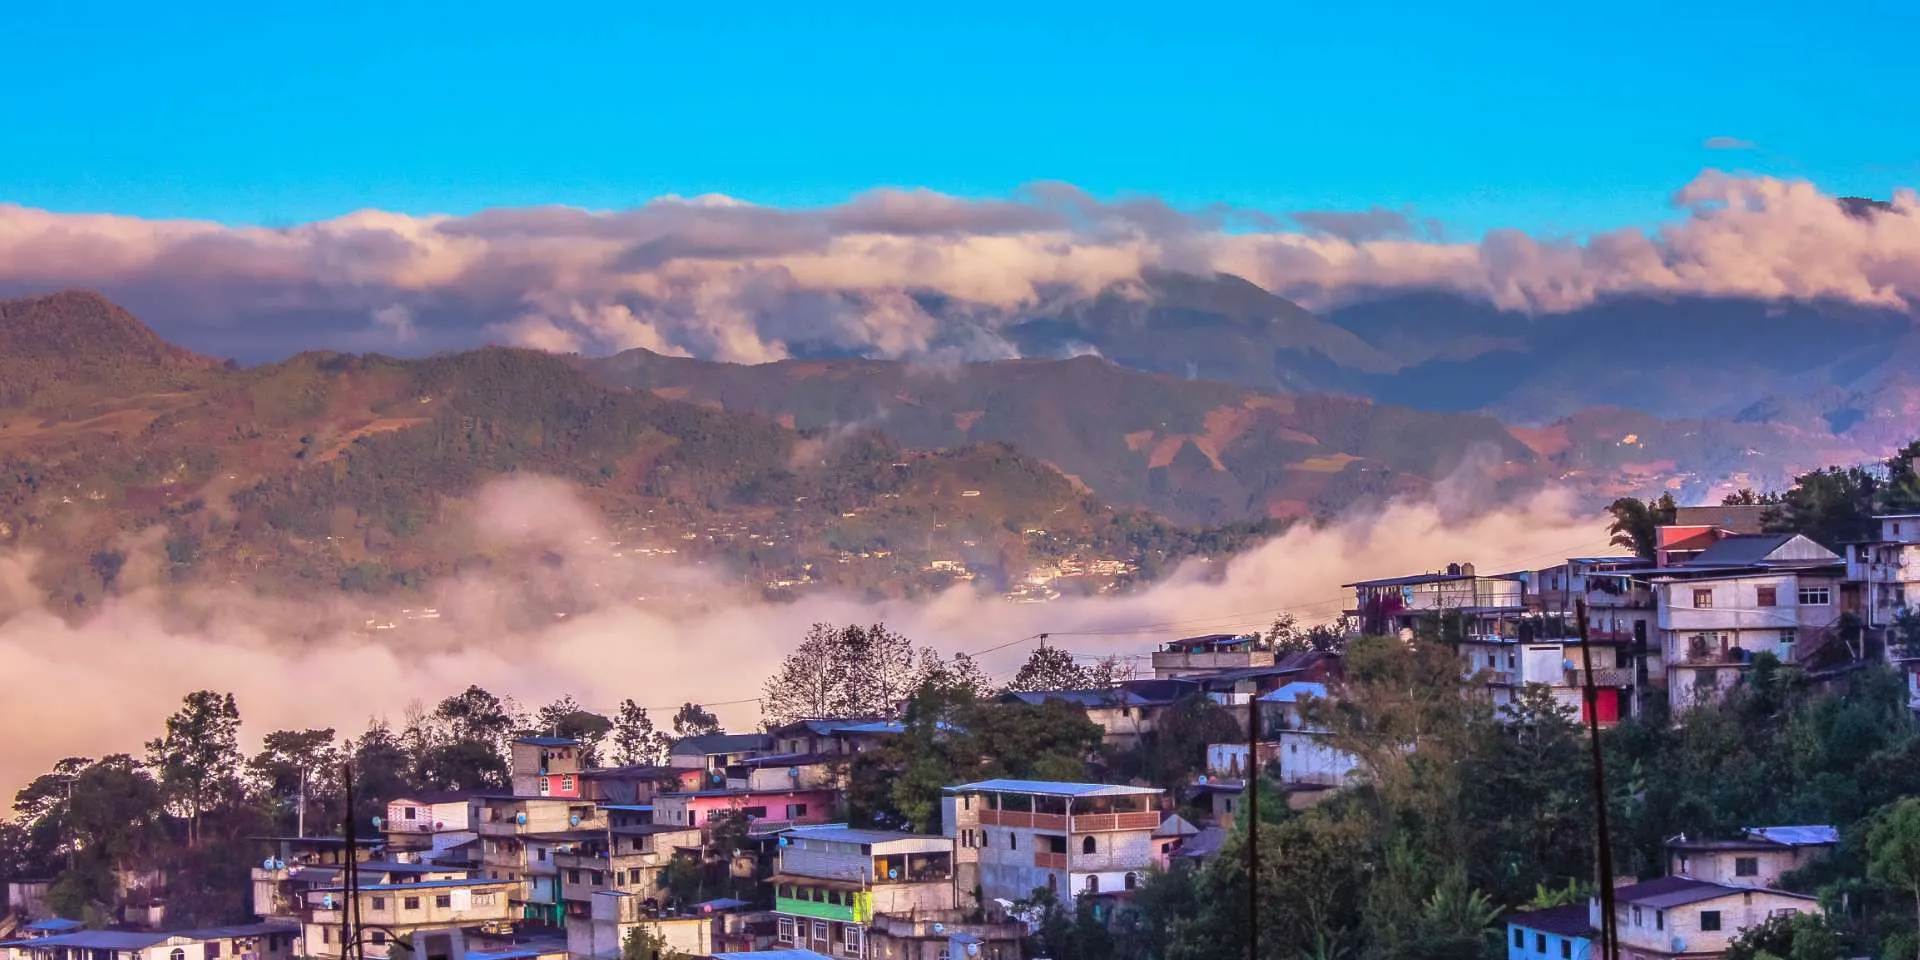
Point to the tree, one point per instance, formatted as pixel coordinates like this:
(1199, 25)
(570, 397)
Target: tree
(635, 741)
(566, 718)
(380, 768)
(1893, 849)
(1829, 506)
(1176, 748)
(645, 943)
(198, 759)
(1901, 491)
(1745, 497)
(693, 720)
(1636, 521)
(296, 763)
(1797, 936)
(1050, 668)
(850, 671)
(1287, 636)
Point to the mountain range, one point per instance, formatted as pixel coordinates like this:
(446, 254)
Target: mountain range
(1142, 414)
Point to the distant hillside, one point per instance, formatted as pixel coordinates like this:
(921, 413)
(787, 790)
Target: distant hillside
(1205, 452)
(76, 345)
(355, 472)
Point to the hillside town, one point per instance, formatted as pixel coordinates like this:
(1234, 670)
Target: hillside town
(744, 844)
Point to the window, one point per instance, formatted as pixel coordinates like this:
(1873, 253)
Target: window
(1566, 948)
(1093, 883)
(1013, 841)
(596, 878)
(1659, 919)
(1519, 938)
(409, 813)
(966, 802)
(1636, 916)
(179, 954)
(853, 940)
(820, 930)
(1087, 845)
(573, 876)
(1789, 637)
(410, 903)
(1709, 921)
(784, 931)
(1816, 596)
(379, 937)
(566, 783)
(379, 903)
(540, 853)
(1540, 943)
(326, 936)
(796, 810)
(1703, 599)
(483, 899)
(1746, 866)
(1769, 596)
(1131, 881)
(443, 901)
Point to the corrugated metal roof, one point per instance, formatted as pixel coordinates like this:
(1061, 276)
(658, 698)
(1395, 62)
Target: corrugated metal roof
(1810, 835)
(1295, 691)
(537, 741)
(715, 743)
(844, 834)
(1568, 921)
(794, 954)
(1054, 788)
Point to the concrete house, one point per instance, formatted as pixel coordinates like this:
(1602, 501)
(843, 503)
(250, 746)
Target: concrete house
(258, 941)
(713, 753)
(546, 767)
(1556, 933)
(1757, 858)
(519, 837)
(1676, 917)
(612, 915)
(1208, 654)
(1393, 604)
(1124, 712)
(1744, 595)
(628, 859)
(1013, 837)
(429, 823)
(400, 909)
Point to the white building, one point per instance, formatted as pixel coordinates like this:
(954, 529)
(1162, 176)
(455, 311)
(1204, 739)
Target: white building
(1290, 721)
(390, 910)
(258, 941)
(1744, 595)
(831, 883)
(613, 915)
(429, 823)
(1888, 570)
(1013, 837)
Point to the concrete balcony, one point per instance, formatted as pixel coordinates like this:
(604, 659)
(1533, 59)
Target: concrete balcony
(1050, 861)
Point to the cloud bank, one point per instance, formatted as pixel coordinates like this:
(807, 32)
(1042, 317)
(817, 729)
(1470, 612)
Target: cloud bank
(896, 273)
(106, 684)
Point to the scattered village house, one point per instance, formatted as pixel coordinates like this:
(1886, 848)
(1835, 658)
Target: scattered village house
(628, 859)
(390, 910)
(295, 865)
(1743, 595)
(1758, 858)
(1676, 917)
(611, 916)
(1016, 836)
(877, 894)
(429, 823)
(1556, 933)
(259, 941)
(1888, 569)
(714, 753)
(520, 833)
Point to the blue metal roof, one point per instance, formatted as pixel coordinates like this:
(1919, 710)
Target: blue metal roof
(1295, 691)
(547, 741)
(421, 885)
(1052, 788)
(100, 940)
(53, 923)
(1800, 836)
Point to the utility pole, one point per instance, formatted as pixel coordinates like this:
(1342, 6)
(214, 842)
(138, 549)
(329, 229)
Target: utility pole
(300, 815)
(1609, 924)
(1253, 824)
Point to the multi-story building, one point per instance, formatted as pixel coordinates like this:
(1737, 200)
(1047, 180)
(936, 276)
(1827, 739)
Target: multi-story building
(1208, 654)
(294, 865)
(1016, 836)
(1888, 570)
(626, 859)
(1676, 917)
(1744, 595)
(612, 916)
(1299, 736)
(829, 882)
(1398, 603)
(387, 911)
(519, 837)
(547, 767)
(1757, 858)
(714, 753)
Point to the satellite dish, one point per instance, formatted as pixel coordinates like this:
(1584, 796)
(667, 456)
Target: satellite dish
(783, 841)
(574, 820)
(939, 928)
(377, 822)
(793, 773)
(326, 902)
(893, 874)
(1202, 780)
(520, 819)
(267, 864)
(973, 949)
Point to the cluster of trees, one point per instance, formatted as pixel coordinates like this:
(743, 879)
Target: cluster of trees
(1830, 506)
(187, 806)
(1465, 812)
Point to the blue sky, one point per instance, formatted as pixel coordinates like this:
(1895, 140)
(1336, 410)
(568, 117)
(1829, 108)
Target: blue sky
(1549, 117)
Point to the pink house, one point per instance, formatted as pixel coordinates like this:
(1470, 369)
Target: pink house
(763, 808)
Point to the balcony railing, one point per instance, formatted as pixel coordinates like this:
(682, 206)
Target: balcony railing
(1104, 822)
(1030, 821)
(1050, 861)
